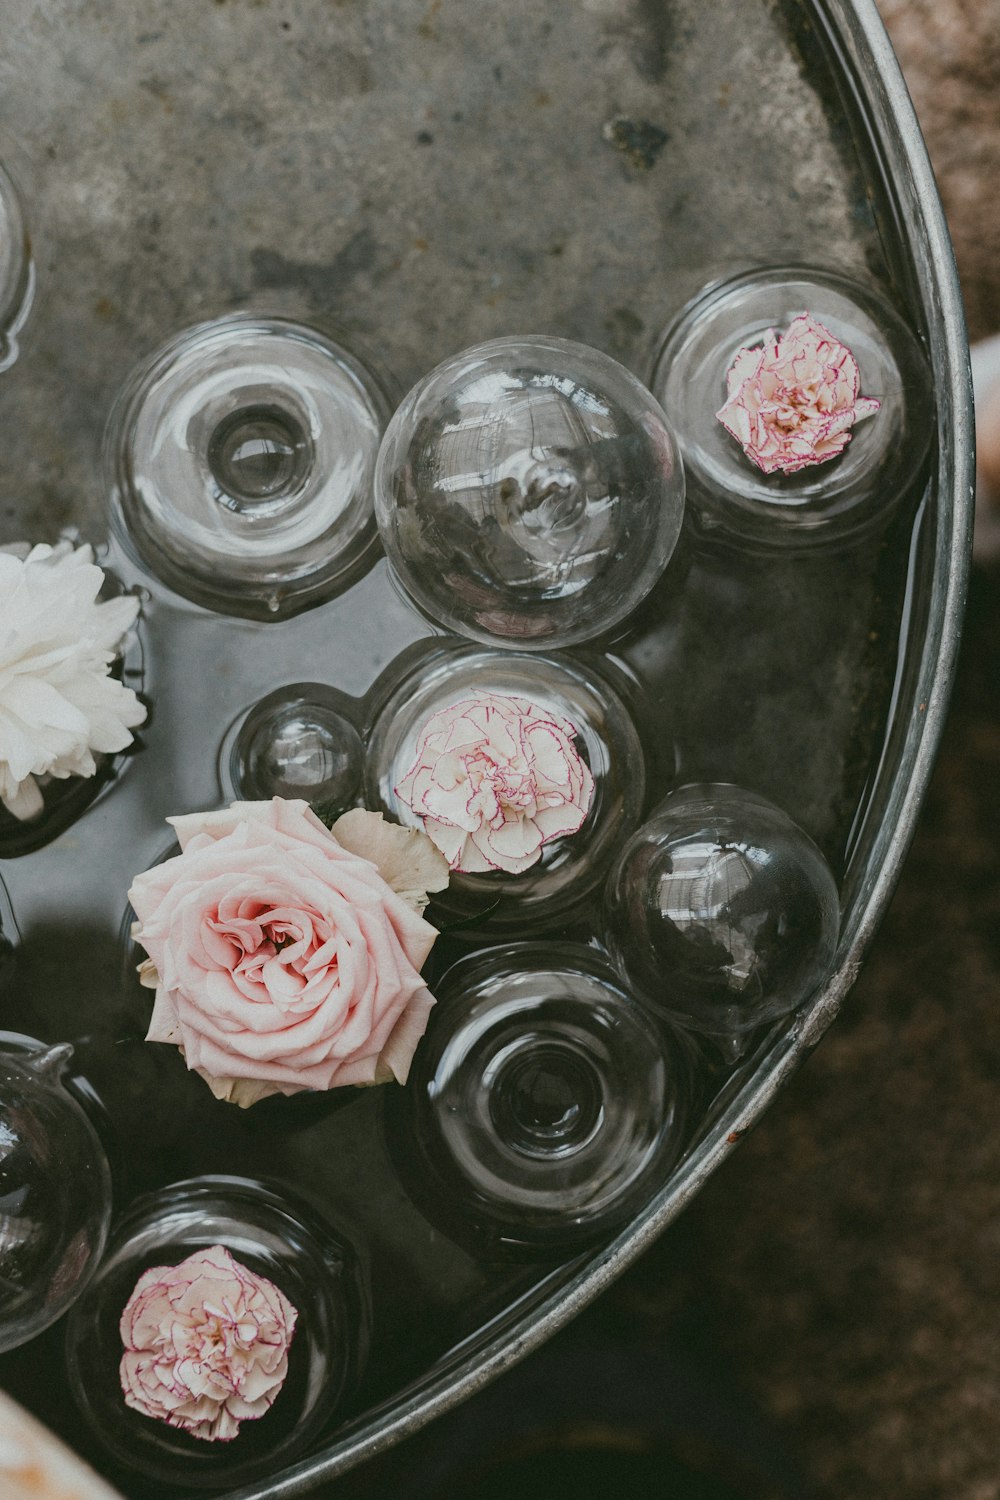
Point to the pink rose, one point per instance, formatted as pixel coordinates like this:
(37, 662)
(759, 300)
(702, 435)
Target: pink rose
(283, 960)
(495, 778)
(793, 401)
(206, 1344)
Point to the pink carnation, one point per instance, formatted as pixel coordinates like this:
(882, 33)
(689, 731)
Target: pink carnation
(206, 1344)
(495, 778)
(281, 957)
(793, 400)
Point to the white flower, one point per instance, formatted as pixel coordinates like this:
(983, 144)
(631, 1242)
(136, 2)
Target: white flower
(58, 704)
(495, 778)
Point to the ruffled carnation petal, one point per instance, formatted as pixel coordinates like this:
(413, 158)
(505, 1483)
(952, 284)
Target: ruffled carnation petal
(205, 1344)
(792, 401)
(494, 778)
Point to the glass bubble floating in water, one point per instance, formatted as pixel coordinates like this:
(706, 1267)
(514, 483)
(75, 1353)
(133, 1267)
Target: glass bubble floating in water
(529, 491)
(545, 1104)
(722, 911)
(16, 272)
(55, 1191)
(241, 457)
(298, 742)
(569, 868)
(834, 501)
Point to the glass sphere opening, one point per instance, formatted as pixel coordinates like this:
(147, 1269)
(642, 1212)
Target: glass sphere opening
(259, 453)
(544, 1102)
(548, 1101)
(240, 460)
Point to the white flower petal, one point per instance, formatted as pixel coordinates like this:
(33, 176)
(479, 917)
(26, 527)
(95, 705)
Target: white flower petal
(58, 705)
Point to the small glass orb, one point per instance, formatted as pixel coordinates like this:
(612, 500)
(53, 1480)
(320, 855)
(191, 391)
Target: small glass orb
(272, 1234)
(545, 1106)
(298, 742)
(16, 269)
(721, 911)
(569, 868)
(528, 492)
(55, 1191)
(834, 501)
(241, 458)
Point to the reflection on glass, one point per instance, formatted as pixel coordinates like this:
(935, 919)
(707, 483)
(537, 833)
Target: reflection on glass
(528, 492)
(299, 742)
(55, 1191)
(545, 1106)
(241, 457)
(16, 270)
(722, 911)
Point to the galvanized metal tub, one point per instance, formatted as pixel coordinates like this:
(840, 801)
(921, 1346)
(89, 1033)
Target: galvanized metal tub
(433, 176)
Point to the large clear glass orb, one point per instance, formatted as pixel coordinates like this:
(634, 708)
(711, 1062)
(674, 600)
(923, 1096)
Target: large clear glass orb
(241, 458)
(721, 911)
(529, 492)
(545, 1105)
(55, 1191)
(839, 499)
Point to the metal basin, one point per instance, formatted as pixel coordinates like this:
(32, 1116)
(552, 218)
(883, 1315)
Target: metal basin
(428, 177)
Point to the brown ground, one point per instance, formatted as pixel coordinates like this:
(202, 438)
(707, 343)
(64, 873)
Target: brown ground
(950, 53)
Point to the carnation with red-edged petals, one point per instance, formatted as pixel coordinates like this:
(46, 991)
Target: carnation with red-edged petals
(206, 1344)
(494, 779)
(793, 400)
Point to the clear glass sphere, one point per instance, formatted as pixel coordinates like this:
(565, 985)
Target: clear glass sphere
(721, 911)
(836, 500)
(570, 867)
(298, 742)
(16, 270)
(272, 1234)
(528, 492)
(544, 1106)
(241, 456)
(55, 1191)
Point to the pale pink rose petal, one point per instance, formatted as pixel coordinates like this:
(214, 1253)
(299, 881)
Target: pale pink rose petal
(283, 960)
(792, 401)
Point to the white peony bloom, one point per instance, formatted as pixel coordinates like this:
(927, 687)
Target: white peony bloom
(59, 707)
